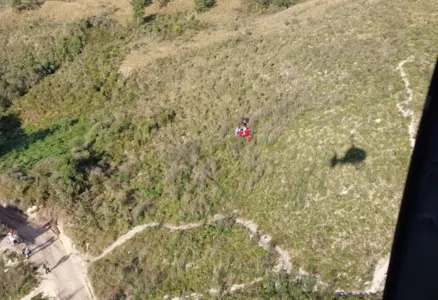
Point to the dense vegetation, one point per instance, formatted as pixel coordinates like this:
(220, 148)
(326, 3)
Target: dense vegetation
(16, 279)
(110, 152)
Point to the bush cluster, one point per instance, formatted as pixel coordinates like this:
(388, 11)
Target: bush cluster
(138, 9)
(173, 25)
(20, 5)
(264, 4)
(203, 5)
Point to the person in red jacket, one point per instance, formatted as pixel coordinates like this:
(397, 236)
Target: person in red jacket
(245, 133)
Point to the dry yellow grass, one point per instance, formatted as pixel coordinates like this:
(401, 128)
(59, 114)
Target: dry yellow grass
(313, 79)
(338, 58)
(225, 23)
(63, 11)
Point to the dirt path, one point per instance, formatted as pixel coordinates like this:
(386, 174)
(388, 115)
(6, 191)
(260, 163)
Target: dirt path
(263, 240)
(123, 239)
(67, 277)
(403, 106)
(379, 276)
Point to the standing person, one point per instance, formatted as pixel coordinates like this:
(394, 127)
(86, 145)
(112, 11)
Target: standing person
(46, 268)
(27, 252)
(10, 237)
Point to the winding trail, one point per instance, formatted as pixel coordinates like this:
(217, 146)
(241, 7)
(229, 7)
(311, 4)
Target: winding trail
(379, 276)
(123, 239)
(403, 106)
(68, 278)
(263, 240)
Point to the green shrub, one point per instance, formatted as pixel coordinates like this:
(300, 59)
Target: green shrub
(283, 3)
(173, 25)
(203, 5)
(17, 5)
(265, 4)
(39, 296)
(138, 8)
(254, 5)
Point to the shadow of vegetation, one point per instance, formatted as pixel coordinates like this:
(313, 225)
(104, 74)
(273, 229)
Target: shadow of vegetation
(354, 156)
(14, 219)
(149, 18)
(9, 123)
(13, 137)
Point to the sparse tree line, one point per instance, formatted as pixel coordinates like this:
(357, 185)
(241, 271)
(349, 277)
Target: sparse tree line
(138, 6)
(204, 5)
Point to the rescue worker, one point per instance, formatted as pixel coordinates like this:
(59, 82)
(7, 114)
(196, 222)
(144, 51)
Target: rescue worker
(246, 133)
(27, 252)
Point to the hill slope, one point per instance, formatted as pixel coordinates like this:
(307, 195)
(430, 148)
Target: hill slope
(126, 126)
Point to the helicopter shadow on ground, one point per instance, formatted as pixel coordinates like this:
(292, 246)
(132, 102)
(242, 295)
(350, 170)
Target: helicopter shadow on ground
(353, 156)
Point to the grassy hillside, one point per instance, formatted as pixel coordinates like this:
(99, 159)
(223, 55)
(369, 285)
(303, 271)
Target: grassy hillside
(325, 171)
(158, 263)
